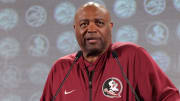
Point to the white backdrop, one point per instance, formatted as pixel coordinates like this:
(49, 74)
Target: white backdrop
(35, 33)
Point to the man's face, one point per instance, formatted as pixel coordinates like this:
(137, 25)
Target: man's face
(93, 29)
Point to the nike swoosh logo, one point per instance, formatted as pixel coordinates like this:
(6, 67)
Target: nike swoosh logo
(66, 92)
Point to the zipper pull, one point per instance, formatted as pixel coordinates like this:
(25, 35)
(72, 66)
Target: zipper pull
(90, 79)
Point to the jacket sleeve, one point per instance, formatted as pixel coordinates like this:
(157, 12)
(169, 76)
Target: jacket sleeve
(47, 92)
(152, 83)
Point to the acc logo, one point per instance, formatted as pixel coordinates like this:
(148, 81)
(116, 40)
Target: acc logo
(112, 88)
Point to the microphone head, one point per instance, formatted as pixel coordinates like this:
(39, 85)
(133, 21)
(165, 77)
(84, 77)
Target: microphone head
(78, 55)
(114, 54)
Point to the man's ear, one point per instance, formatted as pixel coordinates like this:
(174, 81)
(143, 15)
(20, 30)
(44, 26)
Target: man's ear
(111, 25)
(74, 26)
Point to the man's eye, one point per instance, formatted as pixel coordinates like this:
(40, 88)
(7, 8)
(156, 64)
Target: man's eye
(99, 23)
(83, 25)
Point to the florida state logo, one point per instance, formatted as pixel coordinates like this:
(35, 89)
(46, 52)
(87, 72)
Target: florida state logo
(112, 88)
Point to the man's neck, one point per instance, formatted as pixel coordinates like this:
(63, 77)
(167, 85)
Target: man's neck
(91, 59)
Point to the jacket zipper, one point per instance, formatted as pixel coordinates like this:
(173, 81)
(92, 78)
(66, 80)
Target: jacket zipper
(90, 84)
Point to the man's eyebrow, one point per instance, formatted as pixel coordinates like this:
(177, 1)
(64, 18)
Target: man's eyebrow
(82, 20)
(99, 19)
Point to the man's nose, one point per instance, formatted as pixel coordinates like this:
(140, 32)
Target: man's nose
(91, 28)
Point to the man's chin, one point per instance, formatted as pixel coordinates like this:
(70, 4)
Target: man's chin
(94, 51)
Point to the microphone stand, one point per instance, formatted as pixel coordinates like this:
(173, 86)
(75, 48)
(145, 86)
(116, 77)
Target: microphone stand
(59, 89)
(115, 56)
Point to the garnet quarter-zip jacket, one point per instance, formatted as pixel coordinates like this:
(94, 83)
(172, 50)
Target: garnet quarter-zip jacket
(103, 80)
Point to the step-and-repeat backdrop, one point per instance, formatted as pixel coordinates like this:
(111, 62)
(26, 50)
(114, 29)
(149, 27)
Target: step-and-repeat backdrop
(35, 33)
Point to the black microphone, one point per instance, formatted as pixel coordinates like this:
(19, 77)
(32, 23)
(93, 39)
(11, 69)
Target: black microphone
(115, 56)
(78, 55)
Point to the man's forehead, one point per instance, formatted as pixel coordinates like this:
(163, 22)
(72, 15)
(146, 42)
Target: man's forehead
(93, 14)
(92, 10)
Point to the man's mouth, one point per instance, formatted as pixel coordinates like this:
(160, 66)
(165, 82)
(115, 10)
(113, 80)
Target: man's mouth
(92, 40)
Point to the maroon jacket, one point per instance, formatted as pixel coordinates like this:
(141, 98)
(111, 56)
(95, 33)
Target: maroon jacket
(108, 84)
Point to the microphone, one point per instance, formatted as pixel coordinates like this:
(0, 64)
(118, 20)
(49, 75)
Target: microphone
(115, 56)
(78, 55)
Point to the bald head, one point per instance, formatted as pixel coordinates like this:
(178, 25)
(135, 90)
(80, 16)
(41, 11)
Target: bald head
(92, 6)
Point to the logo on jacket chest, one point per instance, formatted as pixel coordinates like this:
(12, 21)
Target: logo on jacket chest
(112, 88)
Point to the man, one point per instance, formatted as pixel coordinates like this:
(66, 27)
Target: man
(98, 75)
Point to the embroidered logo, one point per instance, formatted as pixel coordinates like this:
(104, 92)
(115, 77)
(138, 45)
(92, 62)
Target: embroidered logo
(112, 88)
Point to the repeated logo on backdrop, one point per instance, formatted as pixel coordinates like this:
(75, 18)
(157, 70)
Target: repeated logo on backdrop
(66, 42)
(162, 59)
(177, 4)
(127, 33)
(36, 16)
(124, 8)
(7, 1)
(157, 34)
(154, 7)
(38, 45)
(9, 47)
(35, 96)
(64, 13)
(37, 73)
(10, 76)
(8, 18)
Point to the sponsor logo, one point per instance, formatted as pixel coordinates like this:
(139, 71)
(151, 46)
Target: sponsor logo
(68, 92)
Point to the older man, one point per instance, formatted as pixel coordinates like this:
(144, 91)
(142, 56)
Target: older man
(103, 71)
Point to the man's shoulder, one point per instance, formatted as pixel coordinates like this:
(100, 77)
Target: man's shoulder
(126, 49)
(63, 63)
(124, 46)
(129, 49)
(66, 59)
